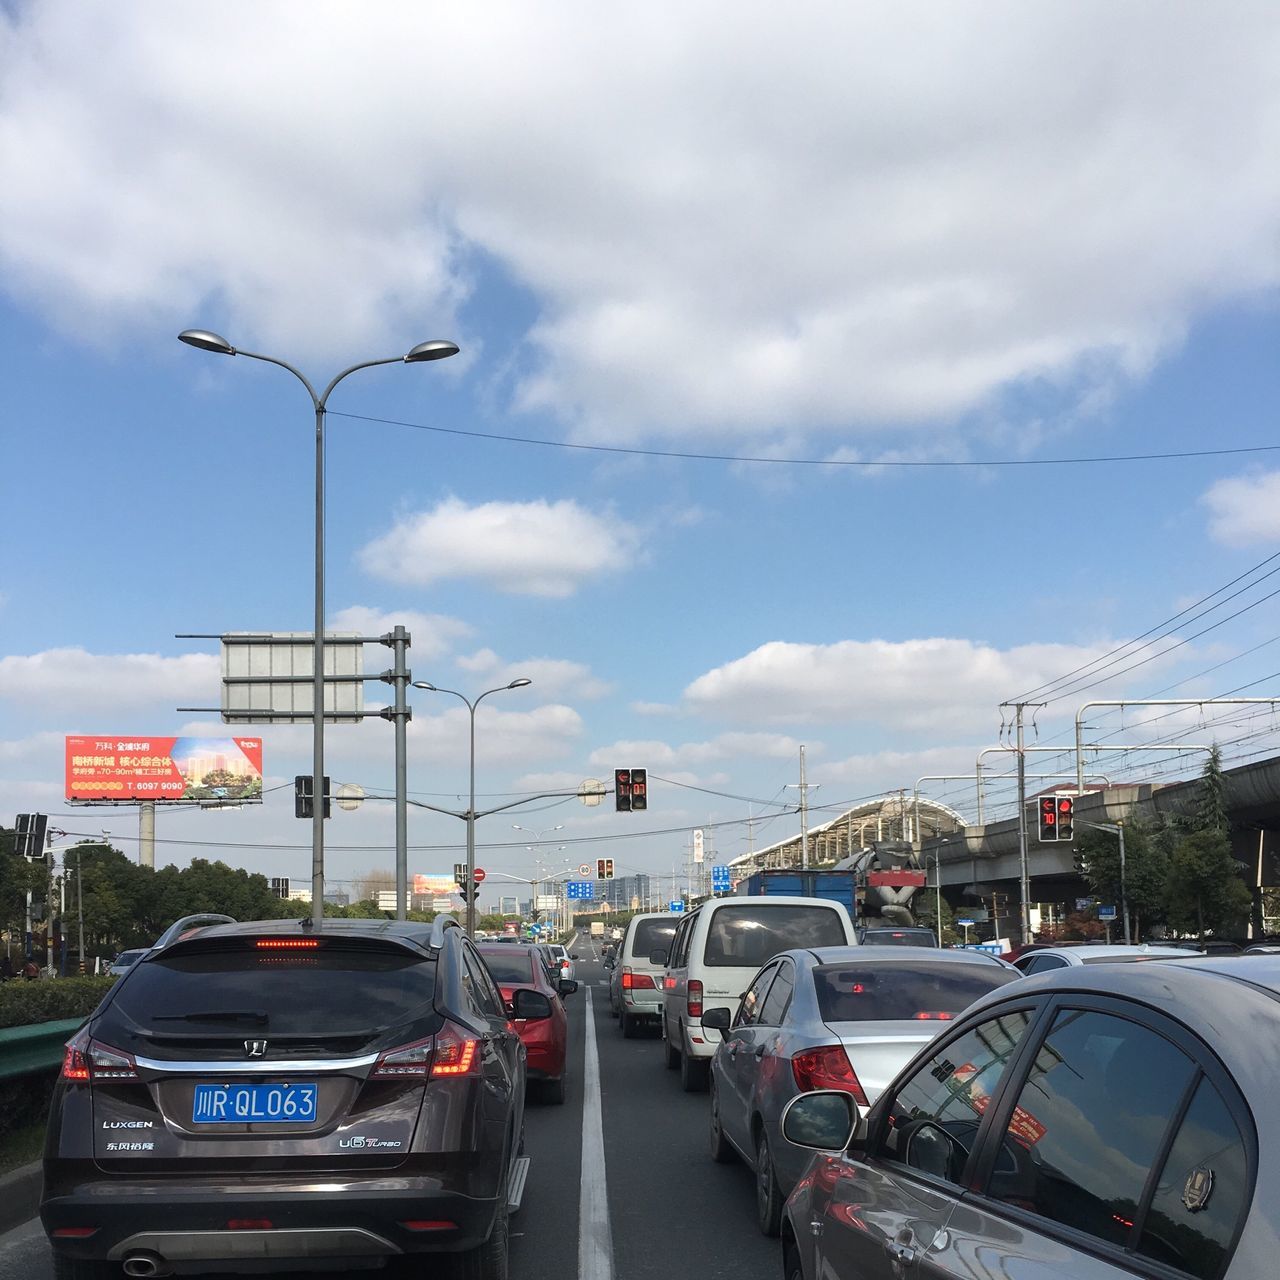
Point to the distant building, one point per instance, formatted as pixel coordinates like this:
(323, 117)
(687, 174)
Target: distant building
(509, 906)
(625, 893)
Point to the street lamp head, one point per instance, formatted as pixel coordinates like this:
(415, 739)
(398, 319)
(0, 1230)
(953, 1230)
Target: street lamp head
(438, 349)
(208, 341)
(422, 684)
(520, 683)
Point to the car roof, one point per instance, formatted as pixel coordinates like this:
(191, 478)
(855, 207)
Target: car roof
(869, 953)
(1082, 955)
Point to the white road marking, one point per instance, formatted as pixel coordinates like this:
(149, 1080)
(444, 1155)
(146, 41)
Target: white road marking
(595, 1235)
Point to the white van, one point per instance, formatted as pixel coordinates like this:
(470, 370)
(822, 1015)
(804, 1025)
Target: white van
(718, 949)
(635, 983)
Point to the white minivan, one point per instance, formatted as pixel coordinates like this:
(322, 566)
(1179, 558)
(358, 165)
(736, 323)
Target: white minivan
(718, 949)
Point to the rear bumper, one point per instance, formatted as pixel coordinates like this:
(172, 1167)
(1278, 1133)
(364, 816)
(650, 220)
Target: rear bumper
(642, 1004)
(185, 1223)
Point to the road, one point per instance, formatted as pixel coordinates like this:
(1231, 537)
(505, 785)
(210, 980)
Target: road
(666, 1208)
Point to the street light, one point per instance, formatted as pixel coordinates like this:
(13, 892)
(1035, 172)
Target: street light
(937, 878)
(1116, 830)
(438, 349)
(470, 815)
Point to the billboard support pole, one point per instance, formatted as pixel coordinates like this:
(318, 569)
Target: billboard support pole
(147, 834)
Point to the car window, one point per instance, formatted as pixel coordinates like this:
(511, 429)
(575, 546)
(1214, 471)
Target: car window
(779, 998)
(1202, 1190)
(477, 988)
(1089, 1122)
(934, 1116)
(652, 935)
(680, 949)
(749, 1011)
(511, 966)
(904, 990)
(360, 989)
(1040, 963)
(748, 936)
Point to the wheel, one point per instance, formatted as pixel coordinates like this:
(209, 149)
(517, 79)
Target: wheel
(721, 1151)
(628, 1025)
(693, 1073)
(768, 1197)
(78, 1269)
(792, 1267)
(489, 1260)
(670, 1054)
(553, 1091)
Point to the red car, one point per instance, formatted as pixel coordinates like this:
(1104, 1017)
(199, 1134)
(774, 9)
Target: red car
(535, 1004)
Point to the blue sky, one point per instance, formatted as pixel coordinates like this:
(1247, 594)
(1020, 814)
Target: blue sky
(1004, 235)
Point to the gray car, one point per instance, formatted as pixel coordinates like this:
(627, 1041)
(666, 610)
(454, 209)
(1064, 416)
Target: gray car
(1098, 1122)
(827, 1018)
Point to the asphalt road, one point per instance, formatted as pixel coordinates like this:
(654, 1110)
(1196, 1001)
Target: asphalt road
(666, 1208)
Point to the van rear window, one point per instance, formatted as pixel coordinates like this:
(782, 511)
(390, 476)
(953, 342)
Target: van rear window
(747, 937)
(652, 935)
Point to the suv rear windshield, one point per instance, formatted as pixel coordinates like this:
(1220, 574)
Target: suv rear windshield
(509, 965)
(652, 935)
(747, 937)
(899, 938)
(339, 989)
(903, 990)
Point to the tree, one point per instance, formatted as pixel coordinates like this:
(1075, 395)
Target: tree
(1146, 869)
(1211, 804)
(1204, 892)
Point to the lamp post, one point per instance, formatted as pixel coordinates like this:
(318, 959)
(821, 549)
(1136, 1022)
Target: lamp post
(937, 884)
(204, 340)
(470, 815)
(1116, 830)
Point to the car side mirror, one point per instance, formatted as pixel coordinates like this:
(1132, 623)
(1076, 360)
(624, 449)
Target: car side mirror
(573, 956)
(608, 964)
(531, 1005)
(659, 958)
(567, 986)
(825, 1120)
(718, 1019)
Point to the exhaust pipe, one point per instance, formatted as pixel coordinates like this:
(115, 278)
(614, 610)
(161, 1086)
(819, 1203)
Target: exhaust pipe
(146, 1264)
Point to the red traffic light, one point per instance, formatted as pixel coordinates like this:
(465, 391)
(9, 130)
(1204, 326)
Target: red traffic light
(1064, 805)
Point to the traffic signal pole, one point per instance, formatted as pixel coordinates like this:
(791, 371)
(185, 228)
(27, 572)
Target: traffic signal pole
(1024, 872)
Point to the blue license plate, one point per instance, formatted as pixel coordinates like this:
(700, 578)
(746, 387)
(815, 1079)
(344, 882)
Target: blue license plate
(254, 1104)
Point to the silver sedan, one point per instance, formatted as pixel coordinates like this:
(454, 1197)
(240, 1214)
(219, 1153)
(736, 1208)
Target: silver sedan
(827, 1018)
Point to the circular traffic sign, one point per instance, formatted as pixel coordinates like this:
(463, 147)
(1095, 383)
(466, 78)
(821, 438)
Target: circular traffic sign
(585, 869)
(478, 874)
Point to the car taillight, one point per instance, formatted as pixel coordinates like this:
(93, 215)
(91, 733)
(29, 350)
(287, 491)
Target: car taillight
(408, 1062)
(457, 1054)
(564, 964)
(85, 1060)
(695, 998)
(827, 1067)
(926, 1015)
(636, 981)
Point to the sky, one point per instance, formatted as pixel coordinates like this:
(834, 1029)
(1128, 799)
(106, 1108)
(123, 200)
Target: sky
(790, 344)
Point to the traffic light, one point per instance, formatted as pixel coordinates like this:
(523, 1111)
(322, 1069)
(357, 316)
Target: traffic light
(1066, 817)
(302, 806)
(601, 864)
(1048, 818)
(622, 791)
(29, 835)
(639, 789)
(608, 869)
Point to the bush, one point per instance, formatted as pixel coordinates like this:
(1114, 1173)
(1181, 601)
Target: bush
(50, 999)
(26, 1101)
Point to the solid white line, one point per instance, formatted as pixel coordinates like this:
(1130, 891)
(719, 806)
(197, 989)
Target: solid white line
(595, 1235)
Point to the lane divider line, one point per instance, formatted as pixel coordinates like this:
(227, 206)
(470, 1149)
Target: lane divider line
(595, 1234)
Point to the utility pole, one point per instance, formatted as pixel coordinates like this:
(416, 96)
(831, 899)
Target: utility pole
(1024, 874)
(804, 816)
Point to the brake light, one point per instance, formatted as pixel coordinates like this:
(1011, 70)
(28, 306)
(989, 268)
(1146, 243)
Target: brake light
(637, 981)
(287, 944)
(827, 1067)
(695, 998)
(250, 1224)
(564, 964)
(926, 1015)
(85, 1060)
(408, 1062)
(457, 1054)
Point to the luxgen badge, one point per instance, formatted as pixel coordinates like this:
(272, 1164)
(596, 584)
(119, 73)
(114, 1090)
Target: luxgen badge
(127, 1124)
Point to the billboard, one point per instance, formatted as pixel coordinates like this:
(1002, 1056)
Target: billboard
(102, 768)
(440, 886)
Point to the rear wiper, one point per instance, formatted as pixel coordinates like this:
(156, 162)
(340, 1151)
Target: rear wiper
(215, 1015)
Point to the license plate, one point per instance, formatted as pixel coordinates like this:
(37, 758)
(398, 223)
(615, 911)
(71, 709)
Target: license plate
(254, 1104)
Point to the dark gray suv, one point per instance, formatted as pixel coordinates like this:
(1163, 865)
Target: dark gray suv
(277, 1095)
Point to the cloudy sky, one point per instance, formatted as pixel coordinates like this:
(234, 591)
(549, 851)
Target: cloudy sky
(775, 329)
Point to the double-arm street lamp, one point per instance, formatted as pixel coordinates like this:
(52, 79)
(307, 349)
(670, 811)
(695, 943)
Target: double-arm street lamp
(470, 814)
(1116, 830)
(424, 351)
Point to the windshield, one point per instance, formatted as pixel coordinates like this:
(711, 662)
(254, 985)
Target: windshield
(904, 991)
(360, 990)
(748, 936)
(652, 935)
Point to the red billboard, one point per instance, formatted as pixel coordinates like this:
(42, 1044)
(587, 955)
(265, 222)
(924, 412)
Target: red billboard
(127, 768)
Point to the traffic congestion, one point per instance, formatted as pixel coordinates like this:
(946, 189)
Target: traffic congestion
(273, 1096)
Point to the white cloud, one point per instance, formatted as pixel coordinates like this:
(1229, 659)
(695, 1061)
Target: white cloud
(652, 709)
(655, 754)
(1245, 511)
(525, 548)
(552, 677)
(432, 634)
(883, 217)
(513, 738)
(62, 681)
(939, 685)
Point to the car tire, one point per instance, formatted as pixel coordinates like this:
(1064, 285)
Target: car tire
(721, 1151)
(554, 1091)
(768, 1197)
(628, 1025)
(670, 1054)
(693, 1073)
(80, 1269)
(489, 1260)
(792, 1267)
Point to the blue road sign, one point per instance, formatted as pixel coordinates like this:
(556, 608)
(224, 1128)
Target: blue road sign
(965, 924)
(720, 877)
(677, 907)
(1106, 913)
(585, 889)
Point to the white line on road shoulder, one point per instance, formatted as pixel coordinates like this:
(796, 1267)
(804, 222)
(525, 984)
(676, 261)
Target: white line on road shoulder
(595, 1235)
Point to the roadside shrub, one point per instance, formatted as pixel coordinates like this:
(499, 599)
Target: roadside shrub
(50, 999)
(26, 1101)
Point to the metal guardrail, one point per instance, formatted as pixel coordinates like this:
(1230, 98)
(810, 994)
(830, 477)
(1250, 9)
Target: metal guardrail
(38, 1047)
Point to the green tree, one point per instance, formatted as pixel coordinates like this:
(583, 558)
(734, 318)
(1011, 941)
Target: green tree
(1211, 804)
(1146, 870)
(1204, 892)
